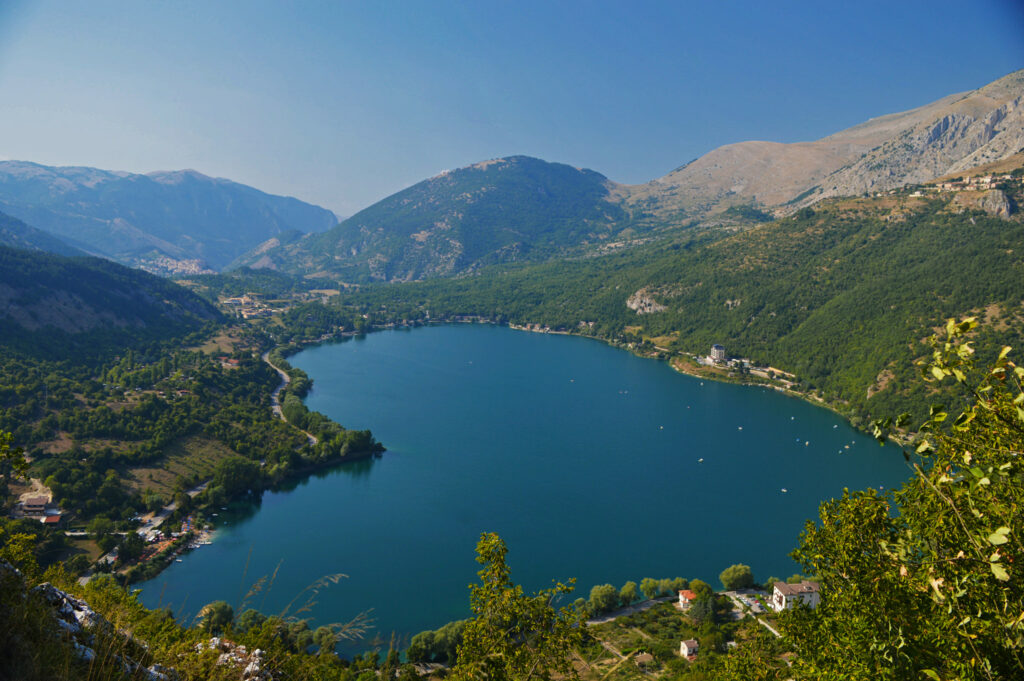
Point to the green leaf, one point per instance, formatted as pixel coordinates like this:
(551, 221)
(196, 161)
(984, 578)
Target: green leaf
(999, 536)
(931, 674)
(938, 373)
(1000, 572)
(1004, 352)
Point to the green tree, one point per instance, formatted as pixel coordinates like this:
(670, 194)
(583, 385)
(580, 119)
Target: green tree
(603, 598)
(12, 463)
(737, 577)
(649, 587)
(216, 616)
(927, 581)
(513, 635)
(131, 547)
(703, 609)
(627, 594)
(701, 588)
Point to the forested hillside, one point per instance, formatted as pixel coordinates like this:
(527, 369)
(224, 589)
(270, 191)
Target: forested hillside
(504, 210)
(16, 234)
(840, 294)
(60, 308)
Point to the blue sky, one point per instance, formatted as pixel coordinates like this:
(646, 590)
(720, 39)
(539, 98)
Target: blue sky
(343, 103)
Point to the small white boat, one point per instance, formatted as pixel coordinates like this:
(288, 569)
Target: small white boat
(784, 490)
(700, 460)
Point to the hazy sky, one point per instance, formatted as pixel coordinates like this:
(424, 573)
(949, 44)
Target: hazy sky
(343, 103)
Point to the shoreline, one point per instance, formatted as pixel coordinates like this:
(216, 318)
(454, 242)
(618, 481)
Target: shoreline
(674, 360)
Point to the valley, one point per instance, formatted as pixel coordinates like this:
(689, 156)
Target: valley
(212, 398)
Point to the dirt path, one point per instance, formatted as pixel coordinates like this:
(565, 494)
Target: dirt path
(275, 402)
(38, 489)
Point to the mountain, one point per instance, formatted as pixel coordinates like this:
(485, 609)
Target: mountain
(842, 294)
(17, 234)
(165, 222)
(955, 133)
(58, 307)
(525, 209)
(503, 210)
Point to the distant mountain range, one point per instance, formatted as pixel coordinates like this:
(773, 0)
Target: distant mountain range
(165, 222)
(524, 209)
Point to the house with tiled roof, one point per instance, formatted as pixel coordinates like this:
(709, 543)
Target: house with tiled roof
(686, 597)
(786, 596)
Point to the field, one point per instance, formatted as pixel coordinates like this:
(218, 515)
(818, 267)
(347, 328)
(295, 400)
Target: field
(194, 456)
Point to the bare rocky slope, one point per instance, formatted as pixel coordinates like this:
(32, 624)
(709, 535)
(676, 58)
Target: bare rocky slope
(955, 133)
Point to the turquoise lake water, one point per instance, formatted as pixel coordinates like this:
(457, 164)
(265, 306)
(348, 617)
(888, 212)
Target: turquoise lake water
(584, 458)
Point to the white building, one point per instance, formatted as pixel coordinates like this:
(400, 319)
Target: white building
(688, 648)
(718, 353)
(785, 596)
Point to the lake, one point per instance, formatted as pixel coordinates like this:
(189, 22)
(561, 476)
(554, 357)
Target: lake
(584, 458)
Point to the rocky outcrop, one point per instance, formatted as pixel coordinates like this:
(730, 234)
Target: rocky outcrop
(642, 303)
(250, 665)
(996, 202)
(53, 620)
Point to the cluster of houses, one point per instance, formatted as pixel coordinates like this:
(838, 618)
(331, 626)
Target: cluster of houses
(248, 306)
(784, 596)
(980, 183)
(40, 508)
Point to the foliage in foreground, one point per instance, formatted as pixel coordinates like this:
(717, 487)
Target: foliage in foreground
(514, 635)
(934, 589)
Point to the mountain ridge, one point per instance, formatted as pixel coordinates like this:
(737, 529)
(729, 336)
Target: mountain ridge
(430, 230)
(16, 234)
(499, 210)
(160, 221)
(956, 132)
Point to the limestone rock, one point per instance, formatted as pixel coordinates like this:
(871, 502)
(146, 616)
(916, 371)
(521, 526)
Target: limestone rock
(996, 202)
(643, 303)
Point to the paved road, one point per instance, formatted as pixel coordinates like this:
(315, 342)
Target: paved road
(275, 402)
(150, 523)
(629, 610)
